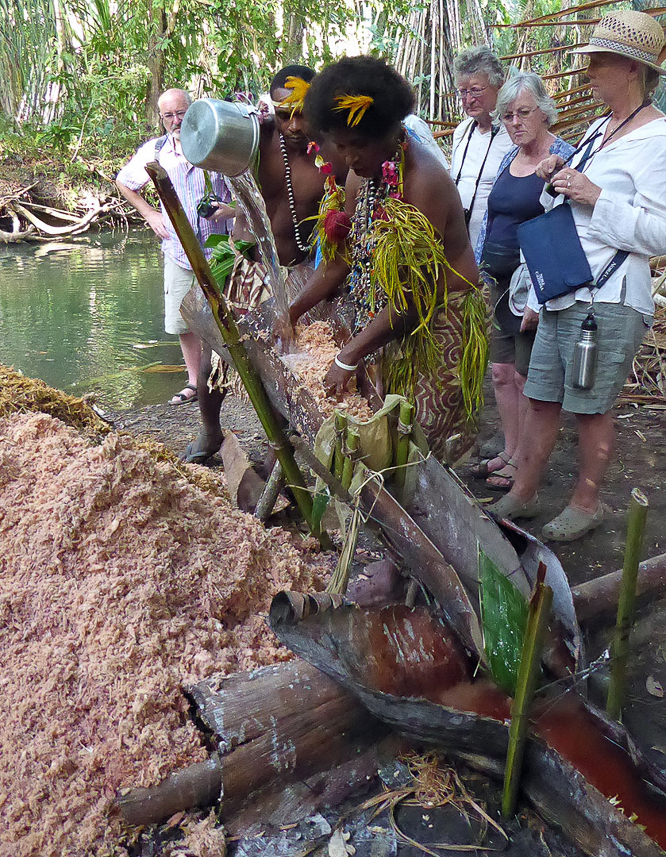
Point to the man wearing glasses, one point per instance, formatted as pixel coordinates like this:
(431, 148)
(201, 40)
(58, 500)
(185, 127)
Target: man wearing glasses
(479, 144)
(190, 186)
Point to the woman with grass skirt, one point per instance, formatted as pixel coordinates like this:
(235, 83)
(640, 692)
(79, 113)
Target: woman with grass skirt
(395, 240)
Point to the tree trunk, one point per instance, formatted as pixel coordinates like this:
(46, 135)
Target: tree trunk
(156, 64)
(280, 723)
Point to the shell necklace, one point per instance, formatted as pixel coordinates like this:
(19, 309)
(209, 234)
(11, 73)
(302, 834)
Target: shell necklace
(304, 248)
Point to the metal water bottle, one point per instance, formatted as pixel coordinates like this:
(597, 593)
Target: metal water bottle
(585, 354)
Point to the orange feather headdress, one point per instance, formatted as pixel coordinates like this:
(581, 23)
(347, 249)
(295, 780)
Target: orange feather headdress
(356, 105)
(296, 97)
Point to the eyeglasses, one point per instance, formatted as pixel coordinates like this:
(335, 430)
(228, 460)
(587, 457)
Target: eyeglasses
(521, 114)
(169, 117)
(474, 92)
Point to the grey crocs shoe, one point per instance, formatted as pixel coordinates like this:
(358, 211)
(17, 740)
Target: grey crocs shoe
(572, 523)
(509, 508)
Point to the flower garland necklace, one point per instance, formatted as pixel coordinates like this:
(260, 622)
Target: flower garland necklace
(370, 208)
(304, 248)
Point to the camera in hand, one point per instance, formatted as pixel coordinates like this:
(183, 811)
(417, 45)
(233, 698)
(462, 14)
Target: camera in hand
(550, 190)
(207, 206)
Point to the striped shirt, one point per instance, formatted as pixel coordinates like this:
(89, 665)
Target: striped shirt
(188, 182)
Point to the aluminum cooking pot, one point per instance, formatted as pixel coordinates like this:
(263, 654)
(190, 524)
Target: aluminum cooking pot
(217, 135)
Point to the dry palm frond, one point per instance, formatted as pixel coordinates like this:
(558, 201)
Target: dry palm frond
(434, 784)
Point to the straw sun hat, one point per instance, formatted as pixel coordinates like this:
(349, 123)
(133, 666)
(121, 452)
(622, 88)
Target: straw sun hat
(629, 34)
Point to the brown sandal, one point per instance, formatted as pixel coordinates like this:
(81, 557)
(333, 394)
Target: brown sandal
(503, 479)
(481, 471)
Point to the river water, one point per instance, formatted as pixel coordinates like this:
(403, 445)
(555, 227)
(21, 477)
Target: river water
(88, 316)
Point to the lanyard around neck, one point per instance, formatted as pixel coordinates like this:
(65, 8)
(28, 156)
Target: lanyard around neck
(589, 154)
(494, 130)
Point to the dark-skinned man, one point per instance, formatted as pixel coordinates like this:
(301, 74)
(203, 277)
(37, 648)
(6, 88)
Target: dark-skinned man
(292, 187)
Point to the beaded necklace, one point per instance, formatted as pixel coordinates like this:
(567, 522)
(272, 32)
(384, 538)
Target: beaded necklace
(368, 210)
(304, 248)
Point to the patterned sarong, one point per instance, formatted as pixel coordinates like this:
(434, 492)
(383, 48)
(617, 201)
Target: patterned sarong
(440, 409)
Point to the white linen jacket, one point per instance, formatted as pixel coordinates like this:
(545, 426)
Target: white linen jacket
(630, 214)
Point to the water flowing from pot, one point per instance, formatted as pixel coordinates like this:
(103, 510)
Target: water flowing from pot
(251, 202)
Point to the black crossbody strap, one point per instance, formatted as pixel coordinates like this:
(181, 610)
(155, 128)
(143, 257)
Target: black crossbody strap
(617, 260)
(493, 132)
(472, 128)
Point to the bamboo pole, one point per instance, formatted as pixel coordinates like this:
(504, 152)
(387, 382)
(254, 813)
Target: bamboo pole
(340, 421)
(567, 113)
(638, 508)
(270, 493)
(353, 440)
(405, 422)
(528, 675)
(526, 54)
(442, 87)
(569, 10)
(574, 123)
(231, 335)
(433, 59)
(554, 74)
(533, 24)
(574, 102)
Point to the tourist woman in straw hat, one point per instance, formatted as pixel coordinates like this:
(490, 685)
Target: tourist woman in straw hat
(616, 185)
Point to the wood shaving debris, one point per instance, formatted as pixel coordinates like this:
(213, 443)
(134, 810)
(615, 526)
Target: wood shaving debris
(317, 347)
(120, 581)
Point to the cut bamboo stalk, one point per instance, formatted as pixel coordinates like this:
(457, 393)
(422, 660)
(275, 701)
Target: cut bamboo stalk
(405, 422)
(638, 508)
(231, 335)
(271, 492)
(528, 675)
(340, 421)
(353, 440)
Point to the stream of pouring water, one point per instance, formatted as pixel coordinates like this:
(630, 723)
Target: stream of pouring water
(251, 202)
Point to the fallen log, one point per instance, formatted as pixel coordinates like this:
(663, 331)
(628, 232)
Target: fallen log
(17, 236)
(599, 596)
(281, 723)
(80, 225)
(196, 786)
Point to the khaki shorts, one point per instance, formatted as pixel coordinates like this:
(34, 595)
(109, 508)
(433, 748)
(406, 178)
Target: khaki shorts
(512, 348)
(177, 283)
(619, 335)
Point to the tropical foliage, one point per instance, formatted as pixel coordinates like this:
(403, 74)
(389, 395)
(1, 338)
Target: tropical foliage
(84, 75)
